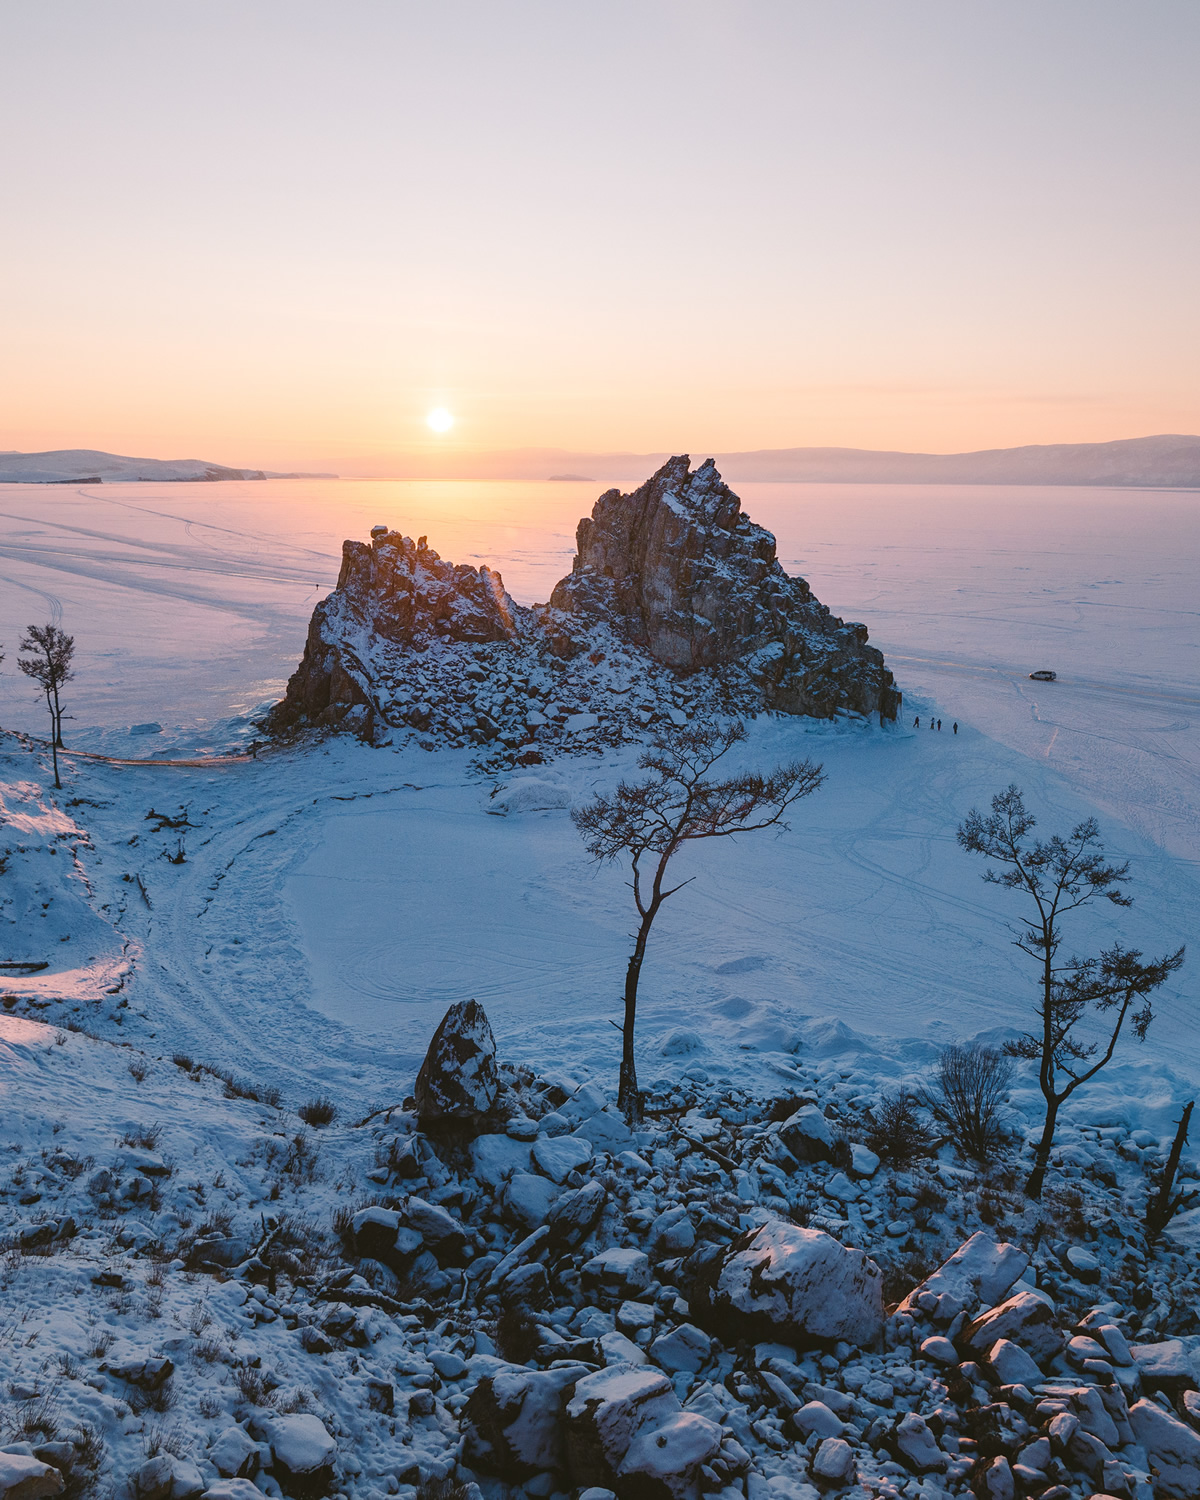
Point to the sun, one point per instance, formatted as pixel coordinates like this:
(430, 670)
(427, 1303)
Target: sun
(440, 419)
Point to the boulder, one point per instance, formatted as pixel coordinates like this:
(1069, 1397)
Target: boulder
(807, 1134)
(784, 1282)
(166, 1477)
(607, 1413)
(23, 1477)
(575, 1214)
(815, 1416)
(833, 1462)
(683, 1348)
(513, 1422)
(1025, 1319)
(979, 1274)
(528, 1199)
(303, 1450)
(1011, 1364)
(1173, 1448)
(457, 1082)
(915, 1446)
(621, 1271)
(560, 1155)
(235, 1454)
(1165, 1366)
(664, 1462)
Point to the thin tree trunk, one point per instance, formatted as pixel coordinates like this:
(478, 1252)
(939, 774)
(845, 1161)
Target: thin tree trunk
(1042, 1160)
(1159, 1210)
(629, 1100)
(54, 753)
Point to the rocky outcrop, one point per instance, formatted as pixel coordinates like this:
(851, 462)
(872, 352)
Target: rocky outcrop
(457, 1082)
(675, 603)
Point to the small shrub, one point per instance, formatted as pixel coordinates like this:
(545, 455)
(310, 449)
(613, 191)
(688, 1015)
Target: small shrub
(968, 1097)
(895, 1130)
(182, 1061)
(255, 1386)
(516, 1335)
(318, 1112)
(138, 1069)
(209, 1406)
(159, 1398)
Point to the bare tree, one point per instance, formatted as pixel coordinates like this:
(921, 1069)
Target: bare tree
(970, 1090)
(1059, 875)
(48, 661)
(677, 803)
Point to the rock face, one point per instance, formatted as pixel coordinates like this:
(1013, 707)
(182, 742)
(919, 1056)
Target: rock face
(671, 584)
(457, 1082)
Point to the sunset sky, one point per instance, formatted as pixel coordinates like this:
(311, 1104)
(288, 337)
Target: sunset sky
(281, 232)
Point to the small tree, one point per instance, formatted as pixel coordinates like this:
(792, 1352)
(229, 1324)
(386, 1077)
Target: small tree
(677, 803)
(1059, 875)
(48, 662)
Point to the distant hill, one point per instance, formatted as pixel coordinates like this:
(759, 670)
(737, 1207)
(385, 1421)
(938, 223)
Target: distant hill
(1165, 460)
(80, 465)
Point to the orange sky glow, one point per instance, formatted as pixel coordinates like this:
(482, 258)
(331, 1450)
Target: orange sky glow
(282, 234)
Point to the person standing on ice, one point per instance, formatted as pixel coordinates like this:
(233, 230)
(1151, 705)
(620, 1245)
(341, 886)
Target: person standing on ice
(917, 722)
(939, 726)
(956, 726)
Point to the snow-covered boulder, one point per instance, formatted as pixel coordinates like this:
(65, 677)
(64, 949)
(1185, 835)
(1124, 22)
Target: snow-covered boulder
(560, 1155)
(235, 1454)
(233, 1489)
(672, 1233)
(784, 1282)
(457, 1082)
(1025, 1319)
(833, 1462)
(664, 1462)
(915, 1446)
(166, 1477)
(528, 1198)
(513, 1422)
(683, 1348)
(622, 1271)
(575, 1214)
(607, 1412)
(1173, 1447)
(301, 1447)
(1165, 1366)
(980, 1273)
(807, 1134)
(1011, 1364)
(23, 1477)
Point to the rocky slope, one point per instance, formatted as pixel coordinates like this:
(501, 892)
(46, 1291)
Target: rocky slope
(675, 604)
(497, 1287)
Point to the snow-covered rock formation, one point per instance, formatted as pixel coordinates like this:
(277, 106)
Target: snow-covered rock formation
(675, 604)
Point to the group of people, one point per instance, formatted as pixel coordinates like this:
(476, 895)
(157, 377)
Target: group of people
(933, 723)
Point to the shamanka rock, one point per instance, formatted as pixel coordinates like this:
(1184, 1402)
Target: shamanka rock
(675, 604)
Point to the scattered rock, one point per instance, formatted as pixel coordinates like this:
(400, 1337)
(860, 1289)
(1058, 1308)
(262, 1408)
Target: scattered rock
(23, 1477)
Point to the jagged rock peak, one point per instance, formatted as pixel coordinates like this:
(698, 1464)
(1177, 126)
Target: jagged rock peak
(683, 570)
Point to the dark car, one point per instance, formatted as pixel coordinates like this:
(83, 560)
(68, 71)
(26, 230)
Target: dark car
(1043, 676)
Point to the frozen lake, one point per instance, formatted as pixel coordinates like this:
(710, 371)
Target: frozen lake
(190, 604)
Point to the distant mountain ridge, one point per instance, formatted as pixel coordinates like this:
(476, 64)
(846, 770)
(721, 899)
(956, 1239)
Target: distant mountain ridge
(1166, 460)
(80, 465)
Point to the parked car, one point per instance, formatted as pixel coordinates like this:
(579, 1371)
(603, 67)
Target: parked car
(1045, 675)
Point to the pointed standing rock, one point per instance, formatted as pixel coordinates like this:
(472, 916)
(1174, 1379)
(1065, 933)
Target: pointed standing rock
(457, 1083)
